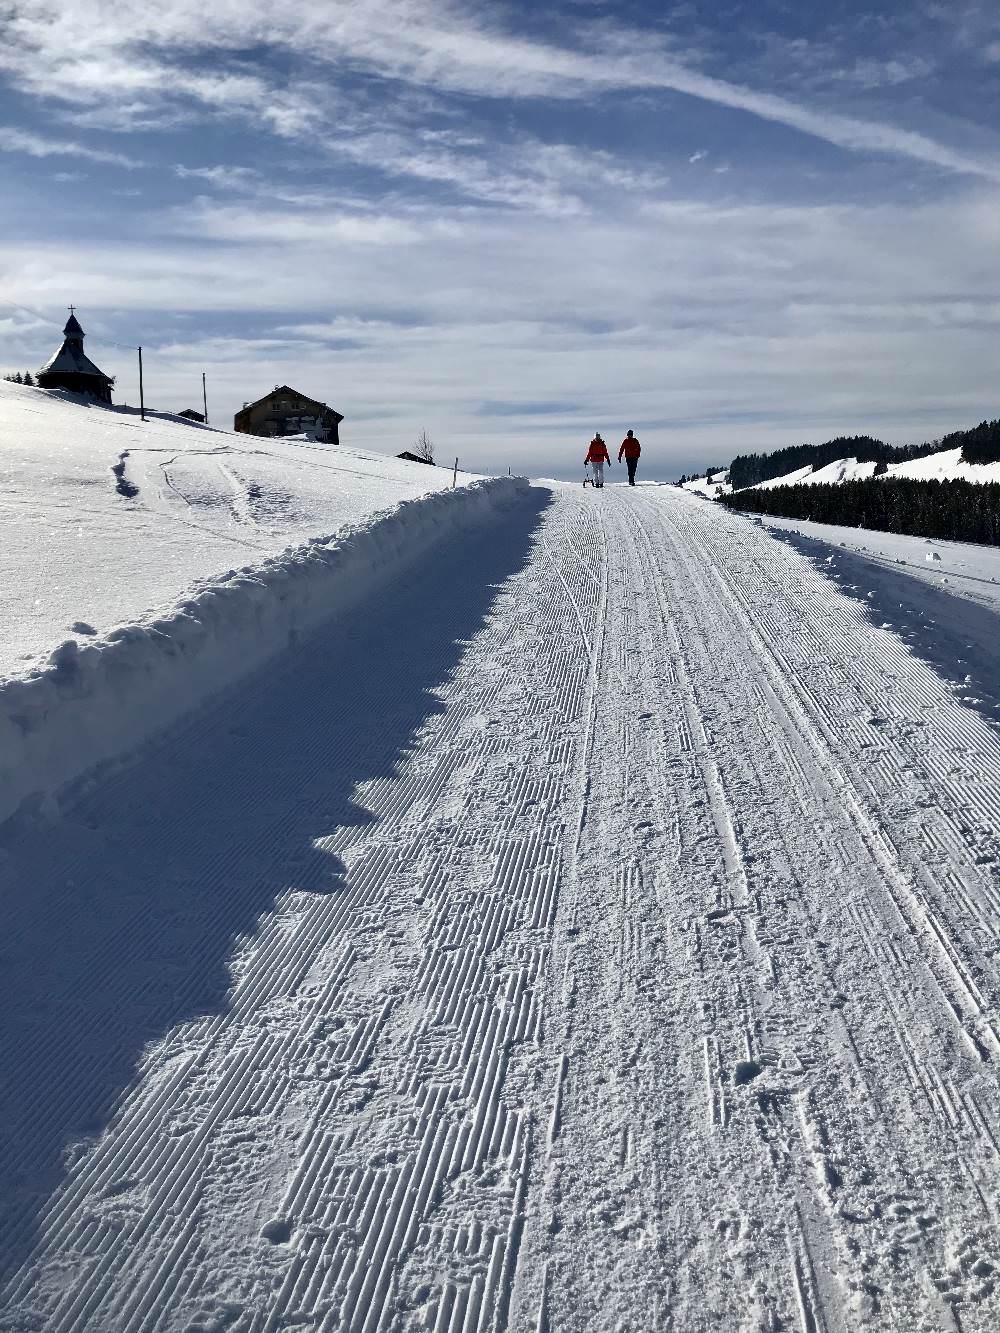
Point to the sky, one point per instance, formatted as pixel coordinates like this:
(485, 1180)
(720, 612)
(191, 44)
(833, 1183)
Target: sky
(729, 226)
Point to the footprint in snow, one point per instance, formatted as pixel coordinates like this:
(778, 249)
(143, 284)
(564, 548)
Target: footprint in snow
(278, 1230)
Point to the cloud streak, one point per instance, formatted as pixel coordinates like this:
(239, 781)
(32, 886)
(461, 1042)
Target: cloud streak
(14, 140)
(96, 53)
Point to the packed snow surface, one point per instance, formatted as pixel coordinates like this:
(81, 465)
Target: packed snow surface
(84, 545)
(598, 933)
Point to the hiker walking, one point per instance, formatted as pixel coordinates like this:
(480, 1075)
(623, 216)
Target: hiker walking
(597, 456)
(630, 448)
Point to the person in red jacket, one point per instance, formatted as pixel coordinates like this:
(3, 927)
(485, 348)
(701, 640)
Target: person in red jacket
(597, 456)
(630, 448)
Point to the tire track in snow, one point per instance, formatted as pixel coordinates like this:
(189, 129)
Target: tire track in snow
(728, 561)
(729, 1150)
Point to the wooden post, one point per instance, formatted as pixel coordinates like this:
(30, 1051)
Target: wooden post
(454, 476)
(204, 397)
(142, 399)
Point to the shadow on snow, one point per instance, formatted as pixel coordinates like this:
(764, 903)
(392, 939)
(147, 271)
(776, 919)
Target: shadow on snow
(120, 921)
(956, 636)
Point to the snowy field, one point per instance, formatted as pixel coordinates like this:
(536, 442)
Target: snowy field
(198, 502)
(316, 530)
(964, 568)
(598, 933)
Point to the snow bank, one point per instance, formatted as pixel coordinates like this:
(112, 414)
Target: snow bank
(109, 519)
(95, 700)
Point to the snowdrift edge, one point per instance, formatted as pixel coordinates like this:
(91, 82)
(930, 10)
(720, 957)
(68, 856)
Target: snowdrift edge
(98, 700)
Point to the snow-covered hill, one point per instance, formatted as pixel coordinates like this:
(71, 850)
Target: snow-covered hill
(106, 517)
(146, 565)
(712, 485)
(944, 466)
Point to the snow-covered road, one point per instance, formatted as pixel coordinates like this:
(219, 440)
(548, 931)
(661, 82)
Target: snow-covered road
(601, 936)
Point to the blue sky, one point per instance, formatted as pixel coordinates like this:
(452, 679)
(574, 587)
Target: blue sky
(729, 226)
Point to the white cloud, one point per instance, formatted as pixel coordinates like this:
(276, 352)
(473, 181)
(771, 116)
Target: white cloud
(223, 176)
(555, 179)
(13, 140)
(316, 229)
(745, 326)
(869, 73)
(128, 53)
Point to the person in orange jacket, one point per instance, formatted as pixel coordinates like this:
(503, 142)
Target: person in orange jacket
(597, 456)
(630, 448)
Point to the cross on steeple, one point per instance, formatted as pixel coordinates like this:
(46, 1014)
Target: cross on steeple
(72, 310)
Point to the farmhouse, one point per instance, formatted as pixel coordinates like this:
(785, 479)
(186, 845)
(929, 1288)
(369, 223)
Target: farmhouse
(72, 369)
(285, 411)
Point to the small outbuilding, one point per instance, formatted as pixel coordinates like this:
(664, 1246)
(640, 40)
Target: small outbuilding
(415, 458)
(189, 414)
(72, 369)
(285, 411)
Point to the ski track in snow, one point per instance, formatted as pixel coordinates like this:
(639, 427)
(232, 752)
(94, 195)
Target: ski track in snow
(603, 937)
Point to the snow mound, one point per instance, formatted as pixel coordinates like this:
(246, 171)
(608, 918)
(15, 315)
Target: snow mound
(95, 701)
(107, 518)
(711, 485)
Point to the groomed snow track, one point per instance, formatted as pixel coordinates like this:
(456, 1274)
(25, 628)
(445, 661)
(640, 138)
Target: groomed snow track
(601, 936)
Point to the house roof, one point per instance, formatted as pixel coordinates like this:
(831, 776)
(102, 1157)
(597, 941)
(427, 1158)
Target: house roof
(280, 389)
(71, 358)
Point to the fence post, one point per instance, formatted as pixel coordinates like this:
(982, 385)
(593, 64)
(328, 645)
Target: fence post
(142, 397)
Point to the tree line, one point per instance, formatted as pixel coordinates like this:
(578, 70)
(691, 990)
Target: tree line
(18, 378)
(752, 469)
(699, 476)
(980, 444)
(952, 510)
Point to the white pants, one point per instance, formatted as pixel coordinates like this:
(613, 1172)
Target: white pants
(598, 473)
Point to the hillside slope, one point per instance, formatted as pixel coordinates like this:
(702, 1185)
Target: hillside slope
(946, 465)
(86, 545)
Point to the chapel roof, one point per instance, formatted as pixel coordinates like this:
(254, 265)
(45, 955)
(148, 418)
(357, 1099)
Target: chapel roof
(71, 358)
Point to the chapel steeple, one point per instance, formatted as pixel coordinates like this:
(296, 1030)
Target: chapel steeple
(72, 369)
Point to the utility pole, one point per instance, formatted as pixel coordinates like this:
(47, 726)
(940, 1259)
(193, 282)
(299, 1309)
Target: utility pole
(142, 399)
(204, 397)
(454, 475)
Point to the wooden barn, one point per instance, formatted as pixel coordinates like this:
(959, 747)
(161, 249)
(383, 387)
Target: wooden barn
(285, 411)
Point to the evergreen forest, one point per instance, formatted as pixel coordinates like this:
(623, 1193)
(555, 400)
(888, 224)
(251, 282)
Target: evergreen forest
(951, 510)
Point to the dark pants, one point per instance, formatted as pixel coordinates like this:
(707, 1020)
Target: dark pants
(631, 464)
